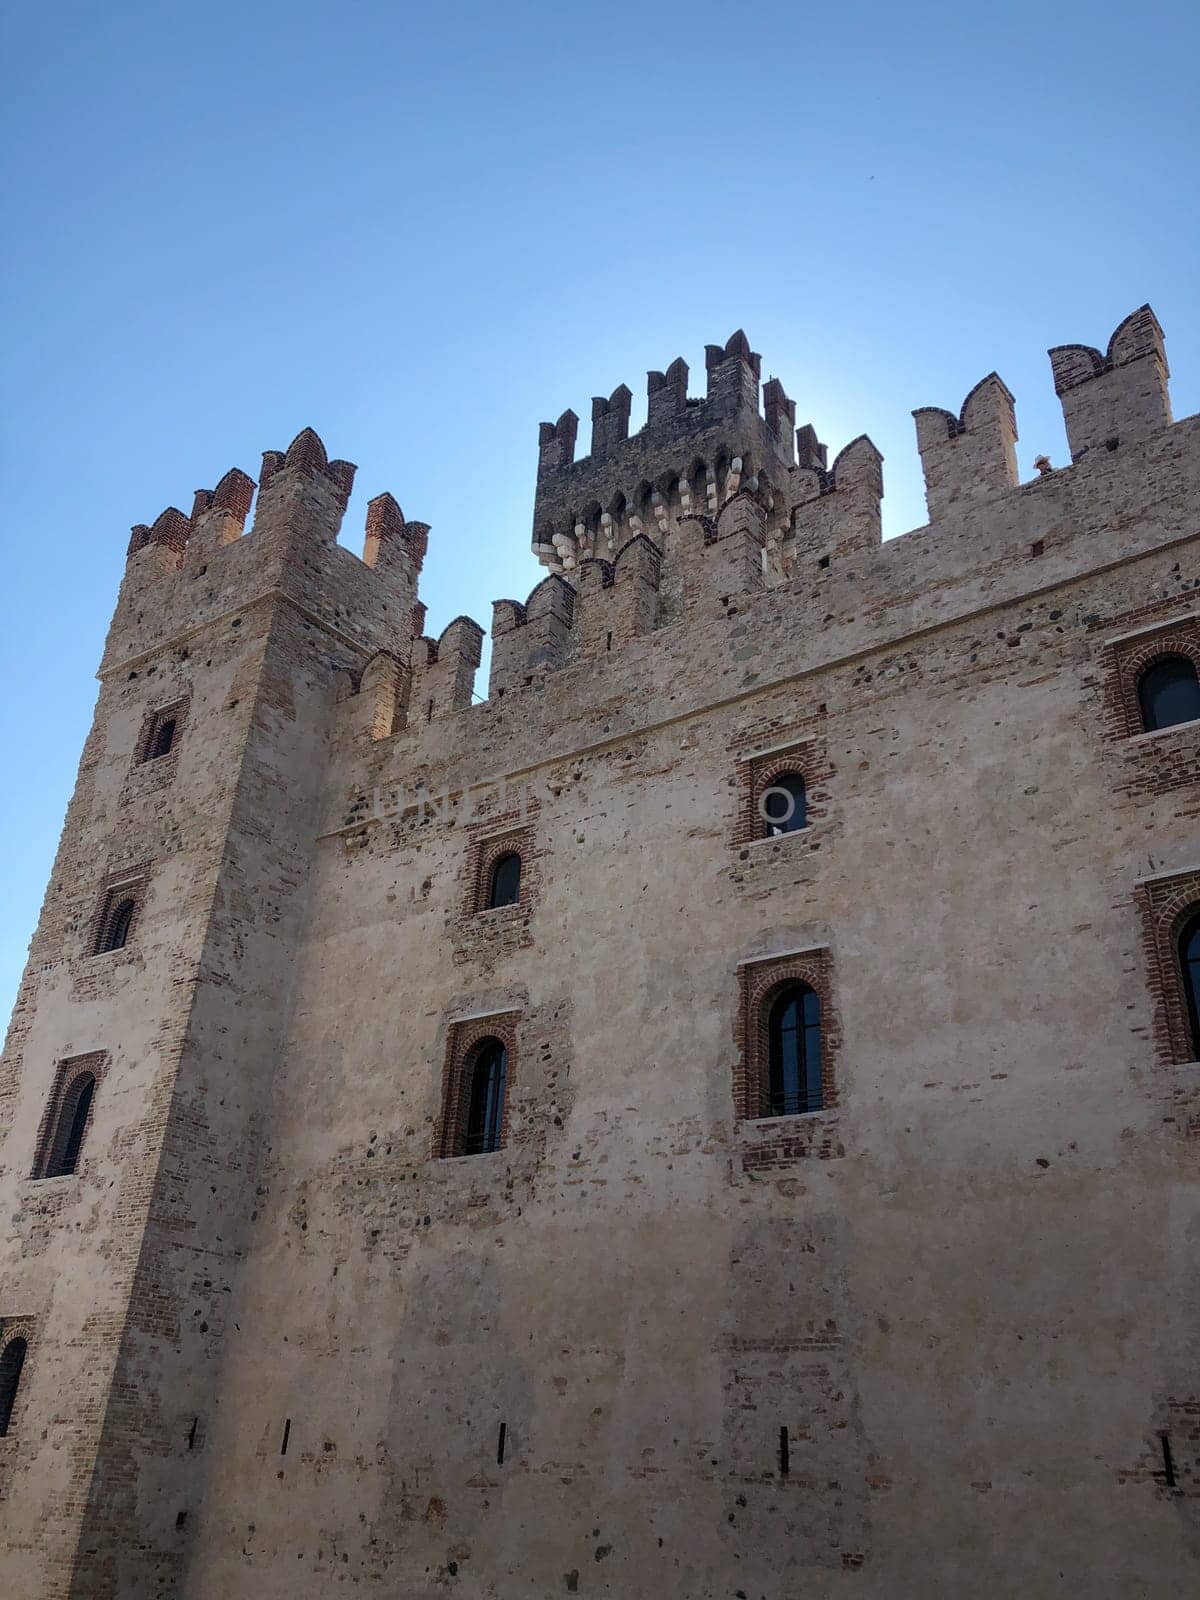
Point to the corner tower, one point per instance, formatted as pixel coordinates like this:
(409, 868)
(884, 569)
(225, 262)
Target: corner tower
(160, 970)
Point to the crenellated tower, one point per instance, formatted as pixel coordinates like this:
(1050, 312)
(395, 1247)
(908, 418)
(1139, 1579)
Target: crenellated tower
(641, 529)
(196, 806)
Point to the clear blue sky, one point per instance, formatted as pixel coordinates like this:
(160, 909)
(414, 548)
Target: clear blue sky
(422, 229)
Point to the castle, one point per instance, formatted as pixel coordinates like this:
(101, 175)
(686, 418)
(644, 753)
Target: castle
(718, 1118)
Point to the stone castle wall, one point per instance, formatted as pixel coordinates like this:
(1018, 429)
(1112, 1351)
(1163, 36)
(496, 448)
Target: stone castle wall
(279, 1345)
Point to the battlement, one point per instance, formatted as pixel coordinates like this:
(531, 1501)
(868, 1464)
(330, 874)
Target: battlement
(306, 455)
(708, 505)
(711, 503)
(972, 454)
(443, 669)
(533, 637)
(694, 454)
(1120, 395)
(683, 458)
(219, 516)
(387, 530)
(292, 545)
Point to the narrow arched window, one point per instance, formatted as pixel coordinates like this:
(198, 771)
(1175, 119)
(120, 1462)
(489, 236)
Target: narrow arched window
(160, 731)
(794, 1052)
(1169, 693)
(485, 1105)
(116, 930)
(1189, 965)
(504, 885)
(12, 1359)
(783, 804)
(70, 1128)
(164, 738)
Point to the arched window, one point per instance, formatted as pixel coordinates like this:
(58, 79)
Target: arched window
(65, 1145)
(1169, 693)
(116, 930)
(161, 730)
(1189, 964)
(783, 805)
(504, 886)
(164, 738)
(794, 1052)
(12, 1359)
(485, 1107)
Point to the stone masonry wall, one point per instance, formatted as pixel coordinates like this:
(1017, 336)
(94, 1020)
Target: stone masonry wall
(929, 1286)
(125, 1267)
(938, 1336)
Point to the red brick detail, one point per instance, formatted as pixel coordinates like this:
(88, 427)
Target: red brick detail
(151, 725)
(16, 1328)
(109, 906)
(51, 1130)
(484, 852)
(170, 529)
(760, 983)
(488, 934)
(1127, 660)
(1179, 1428)
(463, 1043)
(807, 755)
(1166, 904)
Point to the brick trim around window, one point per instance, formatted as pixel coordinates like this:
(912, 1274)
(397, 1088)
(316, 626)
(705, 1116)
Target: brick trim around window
(462, 1044)
(1127, 659)
(759, 982)
(1165, 905)
(800, 748)
(18, 1328)
(152, 724)
(490, 933)
(50, 1130)
(484, 850)
(112, 898)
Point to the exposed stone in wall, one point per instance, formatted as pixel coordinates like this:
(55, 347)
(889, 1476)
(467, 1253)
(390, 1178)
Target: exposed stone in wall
(651, 1345)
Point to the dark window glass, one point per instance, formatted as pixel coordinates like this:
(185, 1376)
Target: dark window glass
(164, 738)
(1189, 961)
(72, 1121)
(11, 1362)
(505, 886)
(1169, 693)
(119, 923)
(783, 806)
(485, 1110)
(794, 1053)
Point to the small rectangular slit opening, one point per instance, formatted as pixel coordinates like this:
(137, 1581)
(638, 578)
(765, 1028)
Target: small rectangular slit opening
(1168, 1460)
(287, 1430)
(784, 1454)
(500, 1444)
